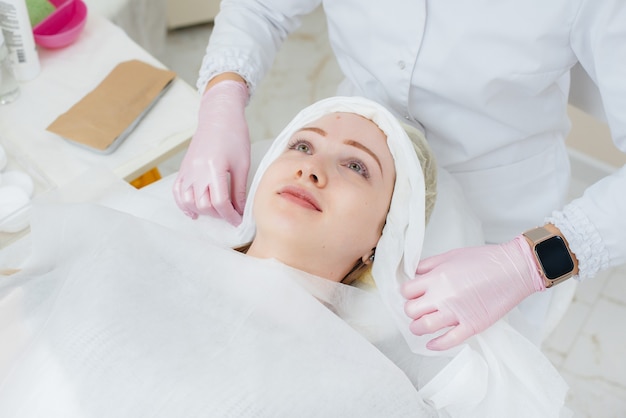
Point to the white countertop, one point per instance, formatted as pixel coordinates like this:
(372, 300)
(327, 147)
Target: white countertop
(70, 73)
(66, 76)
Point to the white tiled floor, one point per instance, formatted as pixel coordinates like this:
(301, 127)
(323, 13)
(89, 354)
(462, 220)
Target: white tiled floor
(588, 344)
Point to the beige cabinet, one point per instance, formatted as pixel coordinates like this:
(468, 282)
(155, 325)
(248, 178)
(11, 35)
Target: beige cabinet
(182, 13)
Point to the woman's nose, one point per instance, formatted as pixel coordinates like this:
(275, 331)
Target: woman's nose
(313, 174)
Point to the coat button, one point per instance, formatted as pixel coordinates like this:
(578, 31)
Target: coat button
(401, 65)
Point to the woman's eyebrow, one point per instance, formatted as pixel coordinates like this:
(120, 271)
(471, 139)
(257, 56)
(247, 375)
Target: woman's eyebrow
(351, 142)
(319, 131)
(360, 146)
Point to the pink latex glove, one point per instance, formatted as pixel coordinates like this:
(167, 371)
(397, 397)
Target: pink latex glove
(214, 172)
(469, 289)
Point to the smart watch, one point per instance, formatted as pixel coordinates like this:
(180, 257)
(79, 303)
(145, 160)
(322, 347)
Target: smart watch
(552, 254)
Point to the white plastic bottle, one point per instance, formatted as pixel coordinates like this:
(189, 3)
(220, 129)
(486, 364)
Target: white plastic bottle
(9, 89)
(18, 35)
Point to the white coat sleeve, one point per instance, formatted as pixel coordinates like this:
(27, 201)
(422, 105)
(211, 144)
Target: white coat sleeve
(594, 225)
(247, 35)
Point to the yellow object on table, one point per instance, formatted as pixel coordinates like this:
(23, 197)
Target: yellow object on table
(146, 178)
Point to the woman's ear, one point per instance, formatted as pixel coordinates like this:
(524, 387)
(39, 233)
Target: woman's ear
(368, 258)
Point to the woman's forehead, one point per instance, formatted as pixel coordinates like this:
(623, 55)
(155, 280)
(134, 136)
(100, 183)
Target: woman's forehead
(348, 117)
(344, 121)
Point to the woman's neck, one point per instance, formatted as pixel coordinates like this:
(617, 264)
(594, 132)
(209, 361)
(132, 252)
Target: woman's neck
(301, 257)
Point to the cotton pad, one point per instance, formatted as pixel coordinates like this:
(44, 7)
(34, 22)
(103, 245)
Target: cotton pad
(20, 179)
(12, 199)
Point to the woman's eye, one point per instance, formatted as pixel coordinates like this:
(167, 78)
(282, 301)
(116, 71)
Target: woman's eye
(301, 146)
(358, 167)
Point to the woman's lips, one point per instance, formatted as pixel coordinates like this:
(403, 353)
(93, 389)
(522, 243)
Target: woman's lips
(300, 197)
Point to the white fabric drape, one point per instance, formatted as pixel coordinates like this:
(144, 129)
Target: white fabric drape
(126, 307)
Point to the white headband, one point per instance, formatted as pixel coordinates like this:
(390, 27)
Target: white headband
(399, 248)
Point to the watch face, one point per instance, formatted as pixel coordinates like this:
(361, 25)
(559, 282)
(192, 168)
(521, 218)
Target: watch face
(554, 257)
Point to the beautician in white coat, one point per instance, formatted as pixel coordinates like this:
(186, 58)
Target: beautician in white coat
(488, 83)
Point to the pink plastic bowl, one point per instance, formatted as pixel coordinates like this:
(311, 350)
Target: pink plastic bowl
(61, 27)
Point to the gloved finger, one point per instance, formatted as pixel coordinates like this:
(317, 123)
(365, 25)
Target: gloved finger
(202, 202)
(416, 308)
(182, 198)
(178, 193)
(231, 215)
(428, 264)
(432, 322)
(450, 339)
(220, 198)
(189, 203)
(239, 182)
(204, 205)
(415, 288)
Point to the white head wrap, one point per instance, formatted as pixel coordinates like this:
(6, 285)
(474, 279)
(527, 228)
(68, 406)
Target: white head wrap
(399, 248)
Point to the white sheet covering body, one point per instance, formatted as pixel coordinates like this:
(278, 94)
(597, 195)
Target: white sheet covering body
(140, 322)
(128, 308)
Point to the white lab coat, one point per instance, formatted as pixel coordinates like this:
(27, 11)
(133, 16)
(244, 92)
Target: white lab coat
(488, 82)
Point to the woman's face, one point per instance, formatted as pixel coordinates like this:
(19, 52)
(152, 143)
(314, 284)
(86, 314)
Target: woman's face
(322, 204)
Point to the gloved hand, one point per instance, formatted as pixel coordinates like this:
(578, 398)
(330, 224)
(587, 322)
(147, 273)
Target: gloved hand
(469, 289)
(214, 172)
